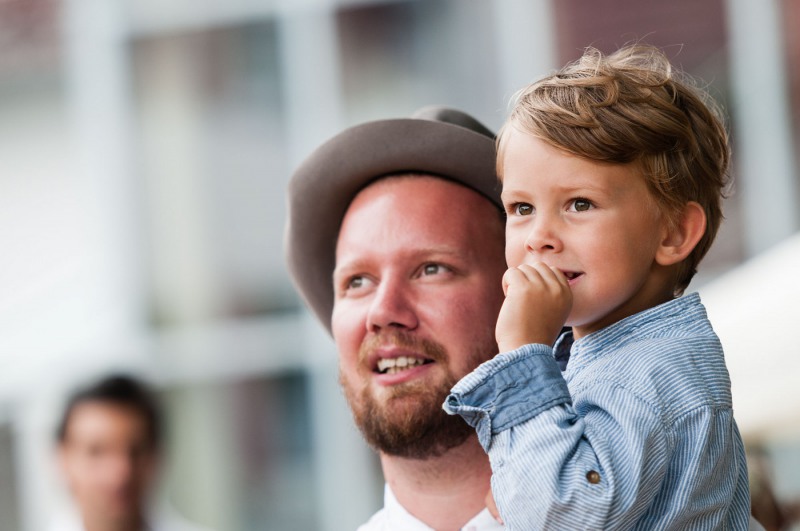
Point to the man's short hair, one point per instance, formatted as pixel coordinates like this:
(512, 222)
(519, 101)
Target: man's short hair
(118, 390)
(633, 107)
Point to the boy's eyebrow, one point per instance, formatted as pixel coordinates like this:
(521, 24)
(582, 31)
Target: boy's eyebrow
(509, 193)
(590, 185)
(584, 185)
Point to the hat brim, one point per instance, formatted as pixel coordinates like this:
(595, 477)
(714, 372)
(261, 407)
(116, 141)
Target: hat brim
(322, 188)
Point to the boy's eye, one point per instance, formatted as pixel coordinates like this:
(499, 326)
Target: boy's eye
(581, 205)
(522, 209)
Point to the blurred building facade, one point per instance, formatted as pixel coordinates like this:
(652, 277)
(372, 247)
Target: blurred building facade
(144, 152)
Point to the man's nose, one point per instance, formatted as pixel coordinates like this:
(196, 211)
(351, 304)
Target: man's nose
(121, 468)
(391, 307)
(543, 235)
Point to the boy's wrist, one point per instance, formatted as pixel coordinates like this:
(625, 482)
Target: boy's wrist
(514, 344)
(506, 342)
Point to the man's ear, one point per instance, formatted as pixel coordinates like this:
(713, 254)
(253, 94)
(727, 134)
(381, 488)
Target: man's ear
(680, 240)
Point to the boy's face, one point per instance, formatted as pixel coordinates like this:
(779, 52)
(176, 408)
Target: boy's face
(595, 222)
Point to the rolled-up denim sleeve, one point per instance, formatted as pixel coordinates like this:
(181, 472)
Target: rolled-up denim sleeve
(553, 468)
(508, 390)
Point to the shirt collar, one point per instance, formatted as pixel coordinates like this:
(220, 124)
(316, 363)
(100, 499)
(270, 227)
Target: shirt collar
(399, 518)
(685, 309)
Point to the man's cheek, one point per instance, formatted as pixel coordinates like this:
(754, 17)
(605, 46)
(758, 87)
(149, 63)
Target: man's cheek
(351, 378)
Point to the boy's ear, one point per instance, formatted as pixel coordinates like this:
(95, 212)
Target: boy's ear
(679, 241)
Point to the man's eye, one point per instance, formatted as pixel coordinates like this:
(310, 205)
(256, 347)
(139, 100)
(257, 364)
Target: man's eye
(352, 286)
(356, 282)
(523, 209)
(581, 205)
(432, 269)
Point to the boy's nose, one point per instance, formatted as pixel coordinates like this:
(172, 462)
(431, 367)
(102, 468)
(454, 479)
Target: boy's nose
(391, 307)
(542, 238)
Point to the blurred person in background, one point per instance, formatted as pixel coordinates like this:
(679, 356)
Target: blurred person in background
(395, 240)
(773, 514)
(109, 447)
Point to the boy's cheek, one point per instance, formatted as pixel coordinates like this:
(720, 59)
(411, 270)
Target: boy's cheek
(515, 251)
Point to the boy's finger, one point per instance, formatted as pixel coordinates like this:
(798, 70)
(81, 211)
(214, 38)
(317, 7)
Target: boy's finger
(531, 272)
(551, 275)
(560, 276)
(505, 282)
(511, 276)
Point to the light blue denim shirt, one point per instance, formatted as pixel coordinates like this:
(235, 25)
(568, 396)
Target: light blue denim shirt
(638, 433)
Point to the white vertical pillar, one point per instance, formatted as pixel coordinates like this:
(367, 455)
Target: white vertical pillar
(345, 482)
(310, 69)
(172, 142)
(99, 99)
(525, 42)
(763, 136)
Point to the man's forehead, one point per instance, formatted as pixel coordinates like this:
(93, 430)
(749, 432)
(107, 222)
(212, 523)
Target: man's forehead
(412, 180)
(94, 418)
(409, 194)
(417, 188)
(415, 216)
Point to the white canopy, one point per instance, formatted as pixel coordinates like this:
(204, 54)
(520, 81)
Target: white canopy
(755, 311)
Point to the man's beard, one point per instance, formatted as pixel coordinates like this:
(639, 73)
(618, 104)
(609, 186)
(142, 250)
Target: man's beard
(409, 420)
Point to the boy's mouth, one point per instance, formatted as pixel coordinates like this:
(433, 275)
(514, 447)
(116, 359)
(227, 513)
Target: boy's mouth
(572, 275)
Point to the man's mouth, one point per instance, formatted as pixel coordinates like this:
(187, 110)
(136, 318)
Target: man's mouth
(400, 363)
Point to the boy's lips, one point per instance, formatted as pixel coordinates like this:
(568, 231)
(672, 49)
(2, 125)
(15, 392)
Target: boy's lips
(572, 276)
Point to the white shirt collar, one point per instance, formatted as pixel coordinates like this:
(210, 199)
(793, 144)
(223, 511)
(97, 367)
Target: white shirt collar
(162, 518)
(396, 517)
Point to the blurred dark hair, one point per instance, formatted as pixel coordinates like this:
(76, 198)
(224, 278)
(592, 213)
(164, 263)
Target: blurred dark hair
(121, 390)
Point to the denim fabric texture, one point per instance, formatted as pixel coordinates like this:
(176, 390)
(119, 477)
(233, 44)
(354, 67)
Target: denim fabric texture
(638, 432)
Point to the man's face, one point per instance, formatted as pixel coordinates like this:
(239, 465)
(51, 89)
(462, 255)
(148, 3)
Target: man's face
(417, 292)
(108, 462)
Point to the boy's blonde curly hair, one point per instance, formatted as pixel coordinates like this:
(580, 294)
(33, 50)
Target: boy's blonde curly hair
(633, 107)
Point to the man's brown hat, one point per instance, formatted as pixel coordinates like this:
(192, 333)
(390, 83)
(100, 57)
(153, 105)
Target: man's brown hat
(435, 141)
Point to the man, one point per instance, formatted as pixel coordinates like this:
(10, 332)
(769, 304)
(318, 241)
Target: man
(395, 241)
(109, 440)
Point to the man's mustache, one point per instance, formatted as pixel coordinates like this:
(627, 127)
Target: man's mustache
(404, 340)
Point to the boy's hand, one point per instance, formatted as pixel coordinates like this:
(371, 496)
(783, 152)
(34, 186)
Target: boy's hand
(538, 302)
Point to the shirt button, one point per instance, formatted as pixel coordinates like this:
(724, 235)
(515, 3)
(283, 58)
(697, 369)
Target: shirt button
(593, 477)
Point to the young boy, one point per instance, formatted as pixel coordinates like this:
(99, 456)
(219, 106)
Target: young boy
(613, 172)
